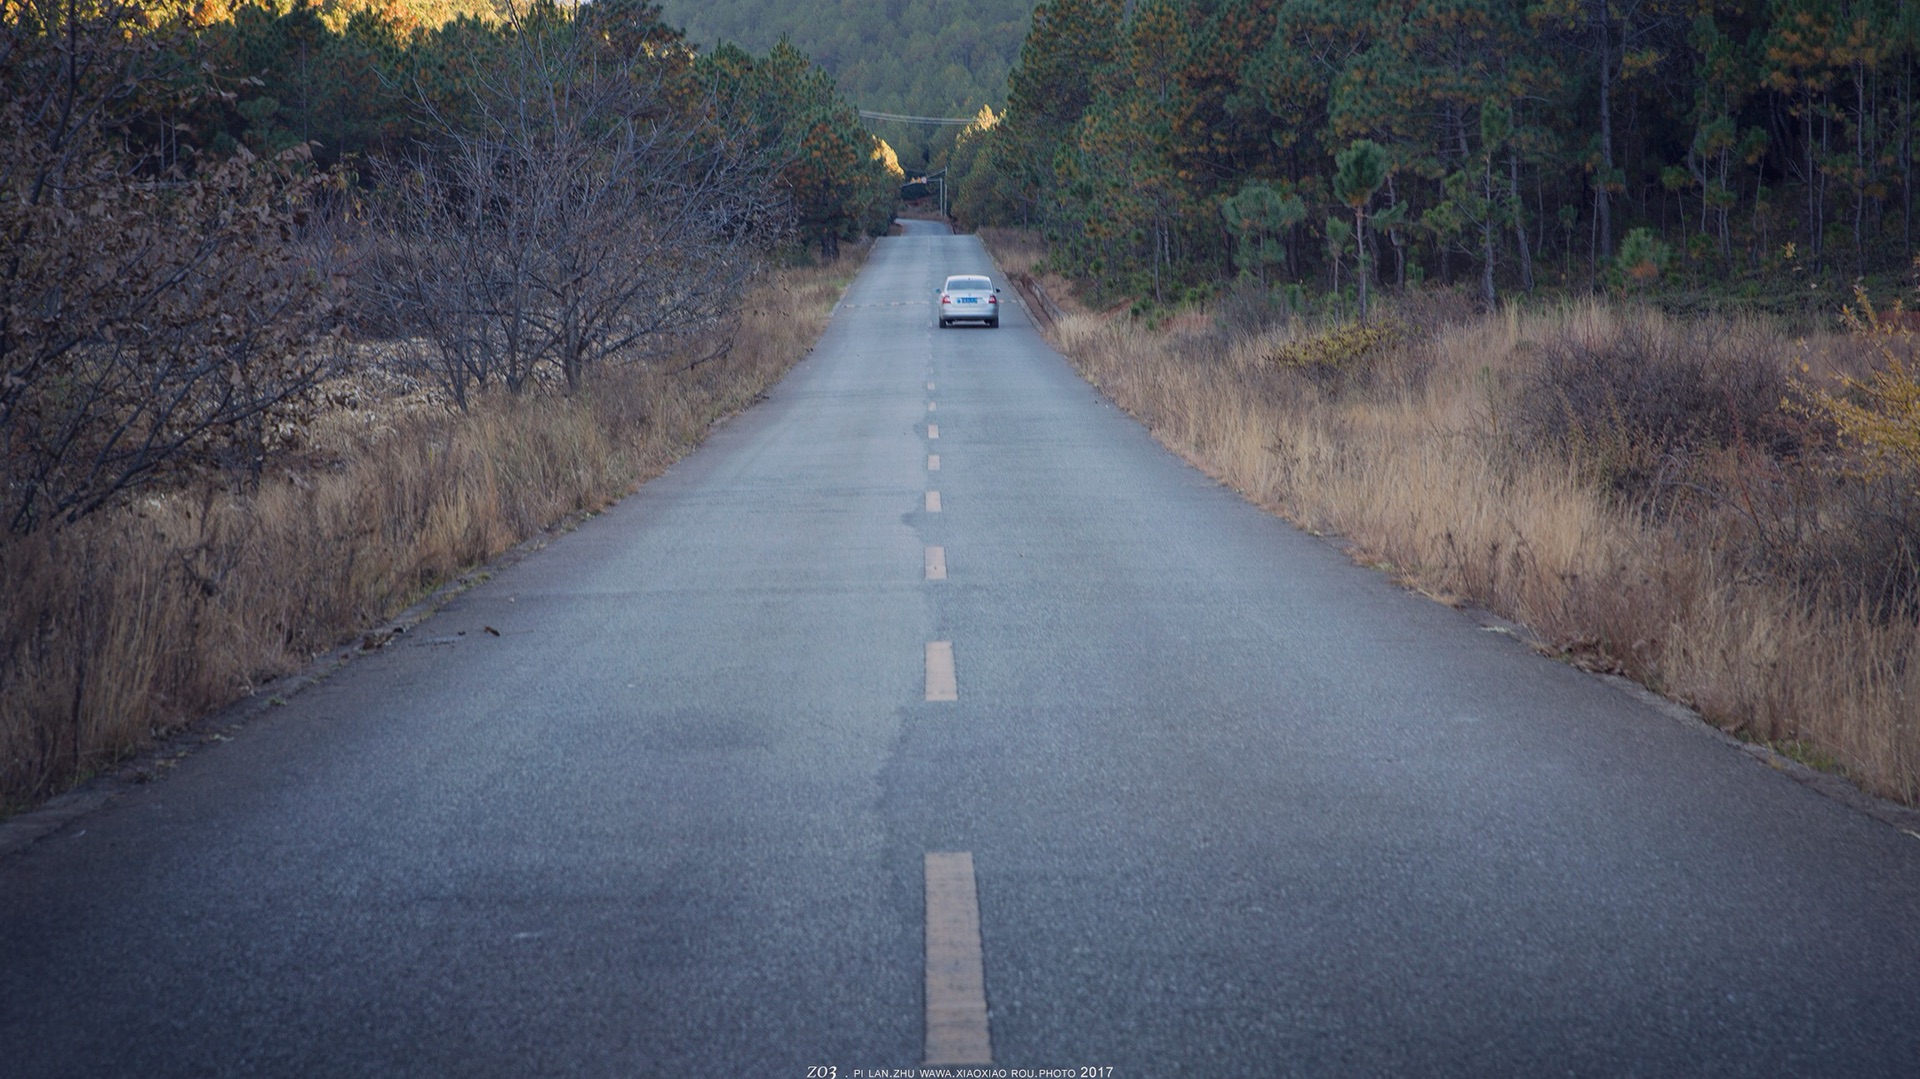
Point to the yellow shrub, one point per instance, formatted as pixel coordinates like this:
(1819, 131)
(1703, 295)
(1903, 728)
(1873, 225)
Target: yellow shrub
(1342, 346)
(1879, 415)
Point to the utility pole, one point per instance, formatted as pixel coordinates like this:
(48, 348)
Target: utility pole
(942, 177)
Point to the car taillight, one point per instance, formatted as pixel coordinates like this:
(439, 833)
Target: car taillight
(946, 299)
(993, 299)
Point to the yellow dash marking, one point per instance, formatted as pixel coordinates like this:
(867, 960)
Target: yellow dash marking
(933, 430)
(956, 977)
(941, 685)
(936, 563)
(931, 407)
(933, 462)
(933, 502)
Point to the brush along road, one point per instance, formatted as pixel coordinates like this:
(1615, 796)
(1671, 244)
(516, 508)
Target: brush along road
(1141, 779)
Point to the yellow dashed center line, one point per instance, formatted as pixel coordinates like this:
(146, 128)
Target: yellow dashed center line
(956, 976)
(933, 462)
(933, 502)
(933, 430)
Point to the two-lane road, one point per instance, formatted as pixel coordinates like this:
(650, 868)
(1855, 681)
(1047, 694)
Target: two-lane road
(1228, 805)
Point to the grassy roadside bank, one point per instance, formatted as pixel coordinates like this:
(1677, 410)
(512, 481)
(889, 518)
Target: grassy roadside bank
(1650, 496)
(132, 622)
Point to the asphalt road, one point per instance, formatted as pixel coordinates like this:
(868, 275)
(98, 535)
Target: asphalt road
(1234, 806)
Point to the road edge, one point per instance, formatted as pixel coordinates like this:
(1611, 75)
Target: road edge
(1834, 786)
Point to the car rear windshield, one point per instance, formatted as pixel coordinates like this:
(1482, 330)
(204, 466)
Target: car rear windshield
(969, 284)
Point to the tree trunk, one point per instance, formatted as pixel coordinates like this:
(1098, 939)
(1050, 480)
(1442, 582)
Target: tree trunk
(1860, 167)
(1813, 190)
(1399, 250)
(1602, 202)
(1360, 249)
(1519, 219)
(1820, 218)
(1906, 149)
(1487, 296)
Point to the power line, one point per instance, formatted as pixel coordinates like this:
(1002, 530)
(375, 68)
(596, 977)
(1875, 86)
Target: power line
(961, 121)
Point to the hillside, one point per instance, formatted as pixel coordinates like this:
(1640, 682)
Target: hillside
(916, 57)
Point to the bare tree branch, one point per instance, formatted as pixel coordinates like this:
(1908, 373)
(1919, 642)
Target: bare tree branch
(581, 207)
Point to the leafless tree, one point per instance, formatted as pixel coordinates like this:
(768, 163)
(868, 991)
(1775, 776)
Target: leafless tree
(151, 321)
(581, 206)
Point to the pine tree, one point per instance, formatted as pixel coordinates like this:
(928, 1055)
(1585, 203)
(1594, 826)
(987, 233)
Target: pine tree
(1259, 214)
(1362, 169)
(1070, 43)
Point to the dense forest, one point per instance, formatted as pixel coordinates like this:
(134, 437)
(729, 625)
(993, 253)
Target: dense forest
(364, 81)
(1502, 144)
(911, 57)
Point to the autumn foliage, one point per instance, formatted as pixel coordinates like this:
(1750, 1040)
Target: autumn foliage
(1877, 413)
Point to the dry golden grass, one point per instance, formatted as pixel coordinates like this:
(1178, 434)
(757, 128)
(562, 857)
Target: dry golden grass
(134, 621)
(1419, 470)
(1015, 250)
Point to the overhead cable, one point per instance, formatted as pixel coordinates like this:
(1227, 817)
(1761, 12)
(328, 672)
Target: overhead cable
(961, 121)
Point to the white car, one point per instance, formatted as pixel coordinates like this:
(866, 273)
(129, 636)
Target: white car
(969, 298)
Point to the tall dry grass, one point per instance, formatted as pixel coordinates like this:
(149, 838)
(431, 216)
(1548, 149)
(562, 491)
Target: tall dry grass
(1734, 577)
(1014, 250)
(134, 621)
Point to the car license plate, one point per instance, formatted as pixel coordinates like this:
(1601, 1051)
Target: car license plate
(969, 299)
